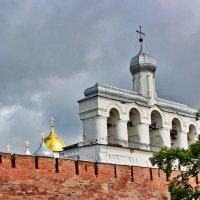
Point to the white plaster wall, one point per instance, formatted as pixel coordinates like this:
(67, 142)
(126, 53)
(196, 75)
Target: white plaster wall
(115, 155)
(71, 153)
(94, 128)
(144, 84)
(94, 113)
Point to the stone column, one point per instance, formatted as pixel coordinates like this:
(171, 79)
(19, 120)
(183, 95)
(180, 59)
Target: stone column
(165, 135)
(122, 133)
(143, 133)
(183, 139)
(95, 130)
(101, 129)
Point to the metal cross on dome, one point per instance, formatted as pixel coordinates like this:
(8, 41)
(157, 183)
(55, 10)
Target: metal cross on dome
(141, 34)
(27, 143)
(52, 121)
(42, 135)
(9, 147)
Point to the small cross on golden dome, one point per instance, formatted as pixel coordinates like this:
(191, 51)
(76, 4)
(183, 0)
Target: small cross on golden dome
(42, 135)
(52, 121)
(9, 147)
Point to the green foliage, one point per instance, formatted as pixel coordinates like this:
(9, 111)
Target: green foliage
(170, 159)
(180, 188)
(197, 114)
(164, 197)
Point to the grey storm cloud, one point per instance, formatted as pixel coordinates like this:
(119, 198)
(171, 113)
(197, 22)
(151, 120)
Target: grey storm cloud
(50, 51)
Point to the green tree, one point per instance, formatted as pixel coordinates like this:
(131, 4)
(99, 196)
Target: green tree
(197, 114)
(185, 160)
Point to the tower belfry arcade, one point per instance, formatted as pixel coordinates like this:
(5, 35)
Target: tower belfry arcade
(125, 127)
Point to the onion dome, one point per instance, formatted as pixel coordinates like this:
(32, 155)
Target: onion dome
(53, 142)
(43, 150)
(142, 62)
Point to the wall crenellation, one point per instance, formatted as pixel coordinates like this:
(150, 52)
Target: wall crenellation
(81, 168)
(24, 175)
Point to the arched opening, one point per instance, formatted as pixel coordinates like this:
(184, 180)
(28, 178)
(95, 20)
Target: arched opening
(112, 124)
(132, 126)
(174, 133)
(192, 134)
(156, 140)
(133, 130)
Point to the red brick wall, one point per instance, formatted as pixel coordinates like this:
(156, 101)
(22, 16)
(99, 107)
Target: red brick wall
(28, 177)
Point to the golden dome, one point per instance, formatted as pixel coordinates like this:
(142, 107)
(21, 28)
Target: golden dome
(53, 142)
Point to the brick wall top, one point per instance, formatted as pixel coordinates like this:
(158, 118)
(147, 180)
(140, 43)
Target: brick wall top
(24, 175)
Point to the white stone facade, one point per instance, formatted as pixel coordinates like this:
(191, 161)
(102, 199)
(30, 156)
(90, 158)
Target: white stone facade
(125, 127)
(112, 116)
(121, 127)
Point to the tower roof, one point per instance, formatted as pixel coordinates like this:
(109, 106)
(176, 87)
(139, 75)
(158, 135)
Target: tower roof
(43, 150)
(27, 148)
(142, 61)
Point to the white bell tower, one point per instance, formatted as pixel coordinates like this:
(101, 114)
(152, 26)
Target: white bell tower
(142, 68)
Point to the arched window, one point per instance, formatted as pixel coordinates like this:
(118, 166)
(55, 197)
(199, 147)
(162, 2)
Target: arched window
(192, 134)
(132, 126)
(112, 124)
(174, 133)
(156, 140)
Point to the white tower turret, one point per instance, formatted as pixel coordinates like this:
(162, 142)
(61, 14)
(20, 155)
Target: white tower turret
(143, 67)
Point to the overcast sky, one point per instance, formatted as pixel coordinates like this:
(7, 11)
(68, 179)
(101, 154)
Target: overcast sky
(51, 51)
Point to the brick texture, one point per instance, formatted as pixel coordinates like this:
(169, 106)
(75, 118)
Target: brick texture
(29, 177)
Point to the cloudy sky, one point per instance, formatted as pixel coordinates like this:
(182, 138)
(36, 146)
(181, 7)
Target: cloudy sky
(50, 51)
